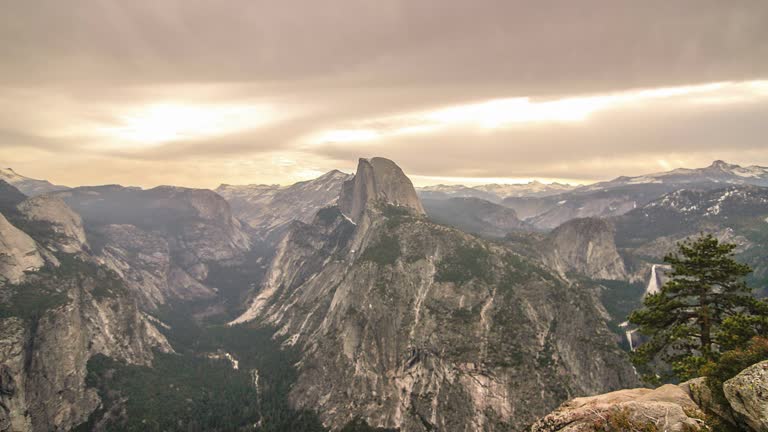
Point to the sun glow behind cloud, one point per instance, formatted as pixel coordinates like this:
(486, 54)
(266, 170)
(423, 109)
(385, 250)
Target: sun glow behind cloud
(523, 111)
(165, 122)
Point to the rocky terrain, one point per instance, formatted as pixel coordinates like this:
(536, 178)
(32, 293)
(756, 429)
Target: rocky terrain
(58, 308)
(623, 194)
(685, 407)
(162, 241)
(585, 246)
(417, 326)
(269, 209)
(396, 313)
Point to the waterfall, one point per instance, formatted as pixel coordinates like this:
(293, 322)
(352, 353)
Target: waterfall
(653, 284)
(628, 333)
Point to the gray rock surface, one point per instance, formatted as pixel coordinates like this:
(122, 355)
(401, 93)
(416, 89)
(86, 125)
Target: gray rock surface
(69, 235)
(585, 246)
(161, 240)
(143, 259)
(747, 393)
(50, 326)
(378, 180)
(668, 408)
(18, 253)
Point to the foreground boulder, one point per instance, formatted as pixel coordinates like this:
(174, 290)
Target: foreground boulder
(667, 408)
(747, 393)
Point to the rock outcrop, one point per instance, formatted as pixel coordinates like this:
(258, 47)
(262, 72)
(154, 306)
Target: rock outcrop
(68, 233)
(667, 408)
(45, 358)
(10, 197)
(418, 326)
(690, 406)
(64, 310)
(377, 180)
(747, 394)
(161, 240)
(143, 259)
(585, 246)
(18, 253)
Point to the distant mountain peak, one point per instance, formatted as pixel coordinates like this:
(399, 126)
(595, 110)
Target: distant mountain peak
(722, 165)
(28, 186)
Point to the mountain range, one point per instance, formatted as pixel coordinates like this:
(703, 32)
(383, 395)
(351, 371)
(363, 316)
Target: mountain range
(348, 302)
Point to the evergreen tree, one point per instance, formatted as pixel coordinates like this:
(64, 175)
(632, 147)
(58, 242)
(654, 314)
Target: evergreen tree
(706, 307)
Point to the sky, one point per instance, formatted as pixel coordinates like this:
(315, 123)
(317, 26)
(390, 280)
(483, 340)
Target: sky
(197, 92)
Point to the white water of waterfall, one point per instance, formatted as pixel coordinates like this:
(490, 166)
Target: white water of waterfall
(653, 284)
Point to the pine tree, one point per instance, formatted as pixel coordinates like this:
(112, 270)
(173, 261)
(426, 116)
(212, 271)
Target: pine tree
(698, 310)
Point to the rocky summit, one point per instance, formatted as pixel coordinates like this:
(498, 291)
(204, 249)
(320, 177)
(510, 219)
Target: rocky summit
(377, 180)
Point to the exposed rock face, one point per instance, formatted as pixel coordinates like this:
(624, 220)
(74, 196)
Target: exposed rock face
(18, 253)
(269, 209)
(47, 359)
(668, 407)
(50, 326)
(747, 393)
(10, 197)
(418, 326)
(69, 235)
(143, 259)
(377, 180)
(161, 240)
(585, 246)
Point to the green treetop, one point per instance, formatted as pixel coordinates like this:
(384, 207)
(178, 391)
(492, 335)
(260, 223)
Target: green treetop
(706, 307)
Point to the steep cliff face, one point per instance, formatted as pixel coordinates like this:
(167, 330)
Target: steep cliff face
(422, 327)
(377, 180)
(143, 259)
(18, 253)
(44, 354)
(60, 313)
(161, 240)
(68, 233)
(585, 246)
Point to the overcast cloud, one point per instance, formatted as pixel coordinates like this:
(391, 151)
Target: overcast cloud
(197, 93)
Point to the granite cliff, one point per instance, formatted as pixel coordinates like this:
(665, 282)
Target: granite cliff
(418, 326)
